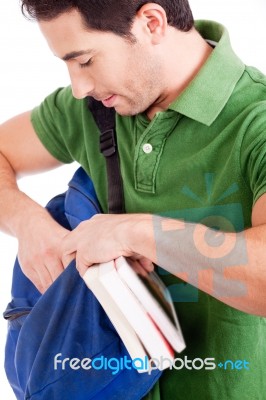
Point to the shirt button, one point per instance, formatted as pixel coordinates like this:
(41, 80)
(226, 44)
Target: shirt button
(147, 148)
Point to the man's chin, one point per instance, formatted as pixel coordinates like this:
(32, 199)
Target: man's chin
(127, 111)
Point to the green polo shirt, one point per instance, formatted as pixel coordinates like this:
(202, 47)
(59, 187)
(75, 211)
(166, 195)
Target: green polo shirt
(203, 159)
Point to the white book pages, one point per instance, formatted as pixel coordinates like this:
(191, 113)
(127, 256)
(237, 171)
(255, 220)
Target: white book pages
(156, 300)
(121, 324)
(152, 339)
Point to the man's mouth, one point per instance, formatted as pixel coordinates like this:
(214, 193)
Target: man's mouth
(109, 101)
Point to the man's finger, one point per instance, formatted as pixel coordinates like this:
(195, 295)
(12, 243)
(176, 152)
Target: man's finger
(35, 279)
(146, 264)
(67, 258)
(54, 266)
(45, 277)
(81, 267)
(143, 261)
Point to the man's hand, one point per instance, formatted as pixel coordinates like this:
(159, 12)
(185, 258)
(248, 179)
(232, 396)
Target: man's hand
(101, 239)
(39, 253)
(106, 237)
(39, 236)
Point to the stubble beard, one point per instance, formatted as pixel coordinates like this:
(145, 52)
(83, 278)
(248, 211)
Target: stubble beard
(145, 83)
(144, 96)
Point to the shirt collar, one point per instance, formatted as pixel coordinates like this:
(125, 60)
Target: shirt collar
(206, 95)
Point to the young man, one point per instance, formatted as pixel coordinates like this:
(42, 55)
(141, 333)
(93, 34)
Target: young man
(191, 136)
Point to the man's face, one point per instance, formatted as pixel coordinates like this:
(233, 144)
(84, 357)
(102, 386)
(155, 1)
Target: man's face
(122, 74)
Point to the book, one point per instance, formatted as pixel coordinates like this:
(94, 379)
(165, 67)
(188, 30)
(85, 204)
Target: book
(120, 322)
(156, 300)
(139, 307)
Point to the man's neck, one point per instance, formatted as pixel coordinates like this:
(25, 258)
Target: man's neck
(185, 55)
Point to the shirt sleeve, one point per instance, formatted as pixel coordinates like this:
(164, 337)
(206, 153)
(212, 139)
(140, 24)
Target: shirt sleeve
(253, 153)
(56, 124)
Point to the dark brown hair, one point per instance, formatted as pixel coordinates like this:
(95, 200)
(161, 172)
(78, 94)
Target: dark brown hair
(108, 15)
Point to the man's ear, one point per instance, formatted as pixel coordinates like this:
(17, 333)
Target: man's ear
(155, 21)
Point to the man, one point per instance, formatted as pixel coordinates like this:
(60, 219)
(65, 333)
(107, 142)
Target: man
(190, 126)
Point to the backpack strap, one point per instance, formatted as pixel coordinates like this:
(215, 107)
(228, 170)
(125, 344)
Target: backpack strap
(105, 120)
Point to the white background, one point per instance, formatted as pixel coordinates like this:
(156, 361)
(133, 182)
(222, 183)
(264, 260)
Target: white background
(28, 72)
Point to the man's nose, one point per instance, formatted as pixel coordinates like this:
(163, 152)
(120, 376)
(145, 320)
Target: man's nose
(82, 85)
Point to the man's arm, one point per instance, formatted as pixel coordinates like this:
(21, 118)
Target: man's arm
(39, 236)
(229, 266)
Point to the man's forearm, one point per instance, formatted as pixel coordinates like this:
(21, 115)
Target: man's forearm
(39, 235)
(15, 206)
(229, 266)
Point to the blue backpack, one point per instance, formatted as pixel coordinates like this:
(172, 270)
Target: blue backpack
(68, 320)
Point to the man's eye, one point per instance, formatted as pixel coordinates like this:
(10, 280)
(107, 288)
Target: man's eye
(87, 64)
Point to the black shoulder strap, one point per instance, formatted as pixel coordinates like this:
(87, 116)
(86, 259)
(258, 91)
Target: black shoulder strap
(105, 120)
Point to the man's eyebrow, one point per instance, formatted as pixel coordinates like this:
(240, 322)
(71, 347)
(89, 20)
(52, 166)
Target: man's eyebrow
(74, 54)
